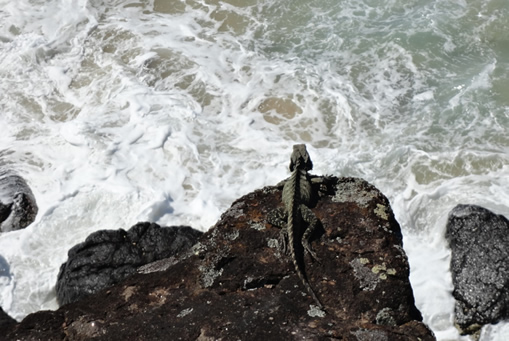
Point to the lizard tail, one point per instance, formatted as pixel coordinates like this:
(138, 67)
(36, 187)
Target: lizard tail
(292, 211)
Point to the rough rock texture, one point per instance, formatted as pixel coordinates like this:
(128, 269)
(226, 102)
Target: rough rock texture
(235, 283)
(5, 321)
(108, 256)
(479, 240)
(18, 208)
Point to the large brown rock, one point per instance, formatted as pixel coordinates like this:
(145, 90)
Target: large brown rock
(236, 284)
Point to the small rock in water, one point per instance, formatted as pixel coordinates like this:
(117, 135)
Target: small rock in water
(479, 240)
(18, 207)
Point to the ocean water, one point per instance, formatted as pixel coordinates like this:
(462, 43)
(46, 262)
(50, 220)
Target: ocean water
(122, 111)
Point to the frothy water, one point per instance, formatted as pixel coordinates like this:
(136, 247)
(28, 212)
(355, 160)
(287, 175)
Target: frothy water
(123, 111)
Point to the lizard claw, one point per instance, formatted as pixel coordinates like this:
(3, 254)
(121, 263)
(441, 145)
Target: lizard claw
(283, 235)
(312, 253)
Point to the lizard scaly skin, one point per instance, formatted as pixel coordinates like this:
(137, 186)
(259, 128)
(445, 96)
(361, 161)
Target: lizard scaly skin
(296, 197)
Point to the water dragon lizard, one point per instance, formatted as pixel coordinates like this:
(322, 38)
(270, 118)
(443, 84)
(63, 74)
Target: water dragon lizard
(296, 214)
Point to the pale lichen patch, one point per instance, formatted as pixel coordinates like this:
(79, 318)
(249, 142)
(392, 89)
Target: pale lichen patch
(382, 271)
(364, 260)
(354, 191)
(198, 248)
(257, 226)
(234, 235)
(379, 267)
(128, 292)
(365, 335)
(185, 312)
(236, 211)
(381, 211)
(385, 317)
(209, 275)
(159, 296)
(315, 311)
(368, 278)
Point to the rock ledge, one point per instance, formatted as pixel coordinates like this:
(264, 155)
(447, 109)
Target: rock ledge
(236, 284)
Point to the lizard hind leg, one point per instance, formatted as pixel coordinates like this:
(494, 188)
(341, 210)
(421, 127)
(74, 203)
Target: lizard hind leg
(310, 218)
(279, 218)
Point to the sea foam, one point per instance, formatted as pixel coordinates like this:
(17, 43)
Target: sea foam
(123, 111)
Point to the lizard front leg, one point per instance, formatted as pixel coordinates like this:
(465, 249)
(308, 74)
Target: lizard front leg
(279, 218)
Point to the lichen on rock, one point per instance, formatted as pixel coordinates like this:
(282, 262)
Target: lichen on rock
(238, 283)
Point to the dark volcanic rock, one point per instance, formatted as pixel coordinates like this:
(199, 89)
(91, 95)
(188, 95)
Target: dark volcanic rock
(18, 208)
(479, 240)
(108, 256)
(236, 284)
(5, 320)
(5, 211)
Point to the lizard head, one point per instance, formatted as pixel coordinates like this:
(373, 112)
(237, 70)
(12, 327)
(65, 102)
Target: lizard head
(300, 158)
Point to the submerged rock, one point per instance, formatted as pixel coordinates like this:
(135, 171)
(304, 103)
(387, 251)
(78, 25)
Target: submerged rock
(18, 207)
(237, 284)
(108, 256)
(479, 241)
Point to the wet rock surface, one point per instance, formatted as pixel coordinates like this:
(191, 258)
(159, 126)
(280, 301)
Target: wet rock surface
(479, 241)
(236, 283)
(18, 207)
(108, 256)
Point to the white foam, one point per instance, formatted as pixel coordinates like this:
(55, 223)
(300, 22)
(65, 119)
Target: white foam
(118, 114)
